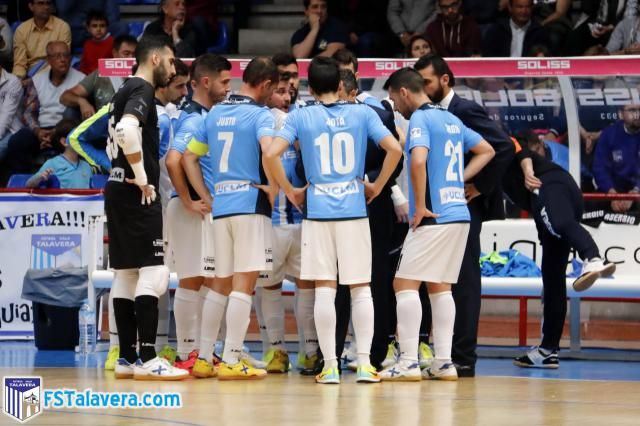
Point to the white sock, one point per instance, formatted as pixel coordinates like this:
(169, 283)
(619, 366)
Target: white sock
(296, 301)
(212, 313)
(162, 338)
(305, 320)
(362, 318)
(185, 309)
(238, 313)
(113, 328)
(324, 313)
(409, 311)
(273, 314)
(262, 325)
(443, 314)
(351, 337)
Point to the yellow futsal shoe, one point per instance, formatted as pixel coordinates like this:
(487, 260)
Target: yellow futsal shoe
(425, 355)
(112, 358)
(168, 353)
(240, 371)
(367, 374)
(309, 361)
(203, 369)
(279, 362)
(328, 376)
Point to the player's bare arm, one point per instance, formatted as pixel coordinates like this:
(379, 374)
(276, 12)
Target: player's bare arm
(482, 154)
(179, 181)
(391, 159)
(191, 164)
(418, 169)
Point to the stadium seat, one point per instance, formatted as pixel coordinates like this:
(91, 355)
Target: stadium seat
(222, 43)
(14, 26)
(136, 28)
(20, 181)
(98, 181)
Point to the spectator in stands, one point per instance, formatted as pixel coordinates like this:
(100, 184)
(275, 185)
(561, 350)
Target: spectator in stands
(288, 70)
(42, 108)
(616, 165)
(321, 35)
(451, 33)
(94, 92)
(595, 25)
(173, 23)
(6, 44)
(10, 98)
(625, 39)
(408, 18)
(32, 37)
(75, 13)
(419, 46)
(483, 11)
(347, 60)
(515, 36)
(72, 171)
(100, 44)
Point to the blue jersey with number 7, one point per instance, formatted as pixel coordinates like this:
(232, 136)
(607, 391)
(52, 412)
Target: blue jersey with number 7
(333, 144)
(231, 135)
(447, 140)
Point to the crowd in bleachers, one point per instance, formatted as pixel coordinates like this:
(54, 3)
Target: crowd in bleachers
(49, 52)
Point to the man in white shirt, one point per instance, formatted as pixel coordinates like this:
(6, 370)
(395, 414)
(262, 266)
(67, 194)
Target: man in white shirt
(10, 98)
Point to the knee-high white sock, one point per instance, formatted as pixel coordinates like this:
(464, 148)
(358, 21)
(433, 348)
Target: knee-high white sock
(212, 313)
(238, 313)
(443, 314)
(324, 313)
(113, 328)
(301, 338)
(185, 309)
(262, 325)
(162, 338)
(409, 311)
(362, 318)
(305, 320)
(273, 314)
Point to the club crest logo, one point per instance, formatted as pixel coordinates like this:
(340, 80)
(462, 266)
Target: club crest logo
(22, 397)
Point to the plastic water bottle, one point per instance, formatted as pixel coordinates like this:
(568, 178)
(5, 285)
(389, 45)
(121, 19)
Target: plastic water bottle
(87, 327)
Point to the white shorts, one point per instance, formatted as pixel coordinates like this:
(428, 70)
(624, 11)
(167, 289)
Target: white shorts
(208, 261)
(336, 248)
(433, 253)
(243, 244)
(286, 255)
(183, 228)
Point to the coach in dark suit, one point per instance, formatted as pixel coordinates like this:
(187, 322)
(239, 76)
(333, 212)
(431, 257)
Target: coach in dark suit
(484, 196)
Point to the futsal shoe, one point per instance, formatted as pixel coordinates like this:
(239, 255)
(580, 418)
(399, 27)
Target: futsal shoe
(203, 369)
(392, 355)
(168, 353)
(592, 270)
(367, 374)
(308, 362)
(440, 371)
(328, 376)
(402, 372)
(425, 356)
(188, 363)
(279, 362)
(124, 369)
(240, 371)
(255, 363)
(112, 358)
(158, 369)
(538, 358)
(353, 365)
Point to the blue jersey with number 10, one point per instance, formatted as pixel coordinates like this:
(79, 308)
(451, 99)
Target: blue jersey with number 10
(447, 140)
(333, 145)
(231, 134)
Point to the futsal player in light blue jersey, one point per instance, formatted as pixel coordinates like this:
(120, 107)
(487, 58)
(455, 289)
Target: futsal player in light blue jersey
(190, 230)
(236, 133)
(335, 231)
(433, 249)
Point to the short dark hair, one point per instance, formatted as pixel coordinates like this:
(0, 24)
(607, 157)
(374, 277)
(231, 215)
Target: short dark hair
(96, 15)
(182, 69)
(259, 70)
(284, 59)
(346, 57)
(122, 39)
(308, 2)
(440, 66)
(324, 75)
(148, 44)
(349, 81)
(61, 130)
(209, 64)
(406, 77)
(416, 37)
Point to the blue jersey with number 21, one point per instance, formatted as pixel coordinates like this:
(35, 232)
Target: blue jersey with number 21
(333, 144)
(447, 140)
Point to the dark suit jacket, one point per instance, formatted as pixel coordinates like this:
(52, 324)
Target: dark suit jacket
(488, 181)
(497, 41)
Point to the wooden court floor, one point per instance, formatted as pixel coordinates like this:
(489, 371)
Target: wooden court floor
(296, 400)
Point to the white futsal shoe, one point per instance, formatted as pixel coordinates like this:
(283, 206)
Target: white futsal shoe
(158, 369)
(592, 270)
(402, 371)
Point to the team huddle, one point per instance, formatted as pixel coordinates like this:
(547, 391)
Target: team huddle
(246, 189)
